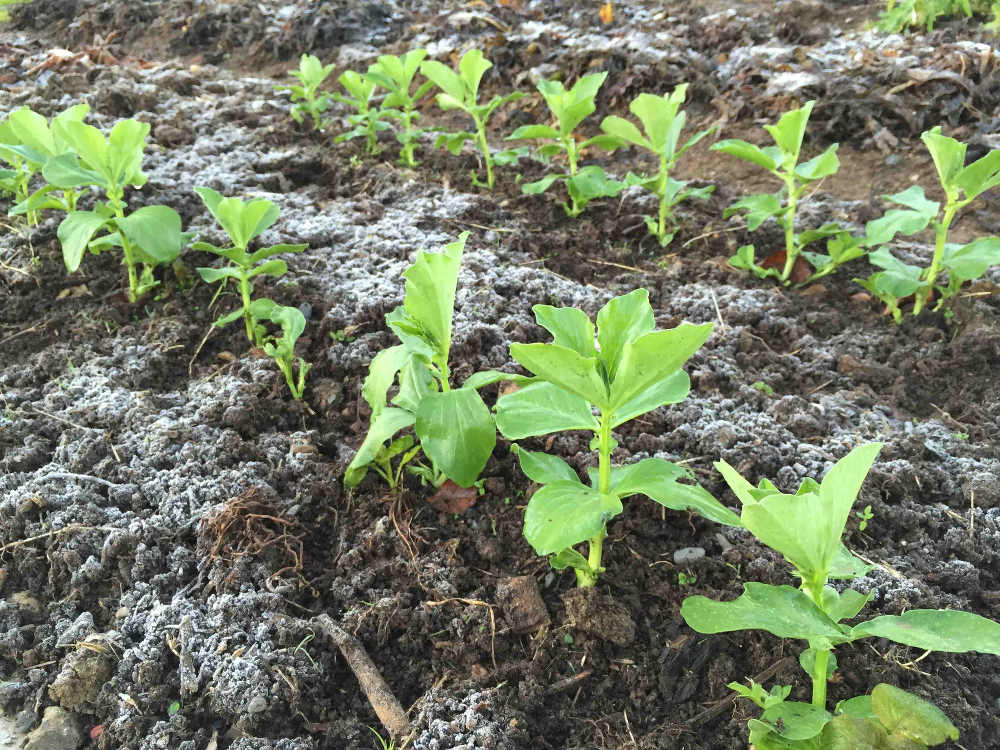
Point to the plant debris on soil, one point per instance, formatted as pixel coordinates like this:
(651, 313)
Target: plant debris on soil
(181, 566)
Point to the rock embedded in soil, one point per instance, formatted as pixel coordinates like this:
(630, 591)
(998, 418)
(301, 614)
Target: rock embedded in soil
(598, 614)
(522, 604)
(58, 731)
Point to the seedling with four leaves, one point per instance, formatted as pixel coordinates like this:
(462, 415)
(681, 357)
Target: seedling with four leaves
(395, 75)
(961, 184)
(570, 108)
(368, 121)
(782, 161)
(461, 91)
(806, 529)
(454, 427)
(631, 370)
(243, 222)
(662, 121)
(149, 236)
(282, 348)
(307, 99)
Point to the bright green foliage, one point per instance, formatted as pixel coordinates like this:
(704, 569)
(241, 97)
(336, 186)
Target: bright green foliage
(282, 348)
(4, 16)
(368, 122)
(310, 101)
(806, 529)
(782, 161)
(461, 91)
(631, 370)
(570, 108)
(962, 184)
(27, 142)
(243, 221)
(662, 123)
(898, 16)
(395, 75)
(149, 236)
(453, 425)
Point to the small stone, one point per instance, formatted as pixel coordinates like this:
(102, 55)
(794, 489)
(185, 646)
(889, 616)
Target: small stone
(257, 704)
(522, 604)
(688, 555)
(58, 731)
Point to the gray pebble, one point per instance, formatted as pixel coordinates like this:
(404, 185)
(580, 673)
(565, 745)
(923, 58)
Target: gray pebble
(688, 555)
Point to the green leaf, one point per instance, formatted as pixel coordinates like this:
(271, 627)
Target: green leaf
(541, 408)
(570, 327)
(531, 132)
(967, 262)
(619, 127)
(242, 220)
(759, 208)
(948, 155)
(565, 513)
(387, 424)
(33, 131)
(658, 480)
(539, 187)
(565, 368)
(267, 252)
(623, 319)
(652, 357)
(844, 605)
(790, 131)
(456, 432)
(895, 221)
(543, 468)
(671, 390)
(660, 119)
(591, 182)
(847, 566)
(430, 294)
(783, 611)
(270, 268)
(748, 152)
(820, 166)
(906, 715)
(212, 275)
(795, 721)
(75, 232)
(155, 230)
(65, 172)
(381, 375)
(935, 630)
(980, 176)
(569, 558)
(898, 279)
(849, 732)
(124, 155)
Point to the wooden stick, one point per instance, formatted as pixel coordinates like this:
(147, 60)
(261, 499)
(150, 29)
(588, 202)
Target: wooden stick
(387, 708)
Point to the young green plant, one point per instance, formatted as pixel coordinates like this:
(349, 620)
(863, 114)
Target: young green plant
(662, 122)
(282, 348)
(961, 184)
(570, 108)
(149, 236)
(461, 91)
(307, 99)
(395, 75)
(898, 16)
(454, 427)
(368, 121)
(782, 161)
(806, 529)
(27, 142)
(243, 222)
(631, 370)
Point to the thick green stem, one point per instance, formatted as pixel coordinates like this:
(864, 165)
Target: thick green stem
(940, 237)
(662, 192)
(819, 677)
(571, 153)
(133, 281)
(484, 146)
(589, 577)
(245, 296)
(789, 221)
